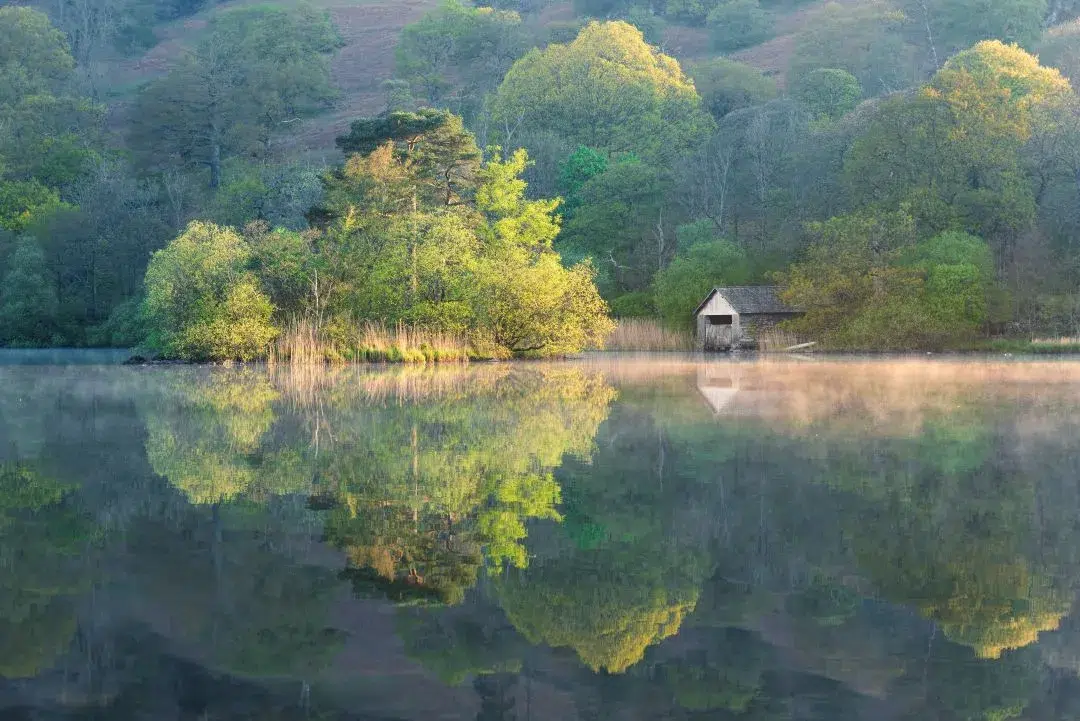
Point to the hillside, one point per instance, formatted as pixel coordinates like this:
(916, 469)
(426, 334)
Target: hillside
(370, 30)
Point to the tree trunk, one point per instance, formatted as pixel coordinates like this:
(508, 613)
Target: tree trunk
(215, 163)
(414, 285)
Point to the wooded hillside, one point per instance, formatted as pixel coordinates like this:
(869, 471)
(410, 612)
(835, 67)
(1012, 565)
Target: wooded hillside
(905, 170)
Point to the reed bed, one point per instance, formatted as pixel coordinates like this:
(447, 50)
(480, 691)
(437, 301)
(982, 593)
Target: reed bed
(302, 343)
(1056, 345)
(648, 335)
(774, 340)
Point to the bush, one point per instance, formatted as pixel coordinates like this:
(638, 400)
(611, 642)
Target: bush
(828, 93)
(202, 303)
(633, 305)
(125, 328)
(726, 86)
(739, 24)
(696, 270)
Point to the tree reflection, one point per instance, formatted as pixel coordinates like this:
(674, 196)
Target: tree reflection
(785, 537)
(426, 487)
(45, 541)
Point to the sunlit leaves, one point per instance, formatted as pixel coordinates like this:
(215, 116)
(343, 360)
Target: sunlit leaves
(607, 89)
(202, 302)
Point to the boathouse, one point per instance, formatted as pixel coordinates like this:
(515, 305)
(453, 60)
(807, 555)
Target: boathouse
(734, 317)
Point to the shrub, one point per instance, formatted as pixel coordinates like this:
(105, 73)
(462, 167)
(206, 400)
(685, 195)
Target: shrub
(202, 303)
(828, 93)
(698, 268)
(739, 24)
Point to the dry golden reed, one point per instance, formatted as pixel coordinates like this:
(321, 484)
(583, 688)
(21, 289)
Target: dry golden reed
(302, 343)
(774, 340)
(648, 335)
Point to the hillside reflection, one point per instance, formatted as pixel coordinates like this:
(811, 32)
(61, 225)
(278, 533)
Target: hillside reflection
(592, 540)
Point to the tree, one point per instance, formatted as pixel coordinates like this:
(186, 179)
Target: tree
(253, 70)
(580, 167)
(202, 303)
(829, 93)
(27, 298)
(607, 90)
(865, 41)
(954, 149)
(46, 130)
(432, 146)
(945, 27)
(527, 300)
(474, 46)
(626, 223)
(281, 195)
(440, 240)
(867, 283)
(703, 262)
(726, 86)
(737, 24)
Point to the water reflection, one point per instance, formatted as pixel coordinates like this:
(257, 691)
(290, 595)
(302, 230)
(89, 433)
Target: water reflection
(596, 540)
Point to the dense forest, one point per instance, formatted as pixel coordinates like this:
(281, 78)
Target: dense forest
(515, 175)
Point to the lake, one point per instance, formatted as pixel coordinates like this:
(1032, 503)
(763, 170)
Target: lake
(610, 538)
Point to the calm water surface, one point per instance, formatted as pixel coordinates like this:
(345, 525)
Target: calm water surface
(604, 539)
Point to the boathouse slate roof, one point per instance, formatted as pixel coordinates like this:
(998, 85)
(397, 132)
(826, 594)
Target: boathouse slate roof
(751, 300)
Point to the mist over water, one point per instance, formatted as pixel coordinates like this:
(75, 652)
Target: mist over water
(612, 538)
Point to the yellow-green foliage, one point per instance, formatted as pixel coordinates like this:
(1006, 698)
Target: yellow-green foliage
(955, 151)
(608, 623)
(607, 89)
(201, 301)
(866, 283)
(414, 454)
(703, 263)
(204, 434)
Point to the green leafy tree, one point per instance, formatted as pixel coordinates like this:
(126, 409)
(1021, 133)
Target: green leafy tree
(434, 152)
(608, 90)
(697, 269)
(440, 240)
(625, 221)
(737, 24)
(580, 167)
(475, 46)
(527, 300)
(829, 93)
(867, 283)
(253, 70)
(26, 203)
(953, 149)
(726, 85)
(202, 302)
(28, 298)
(47, 132)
